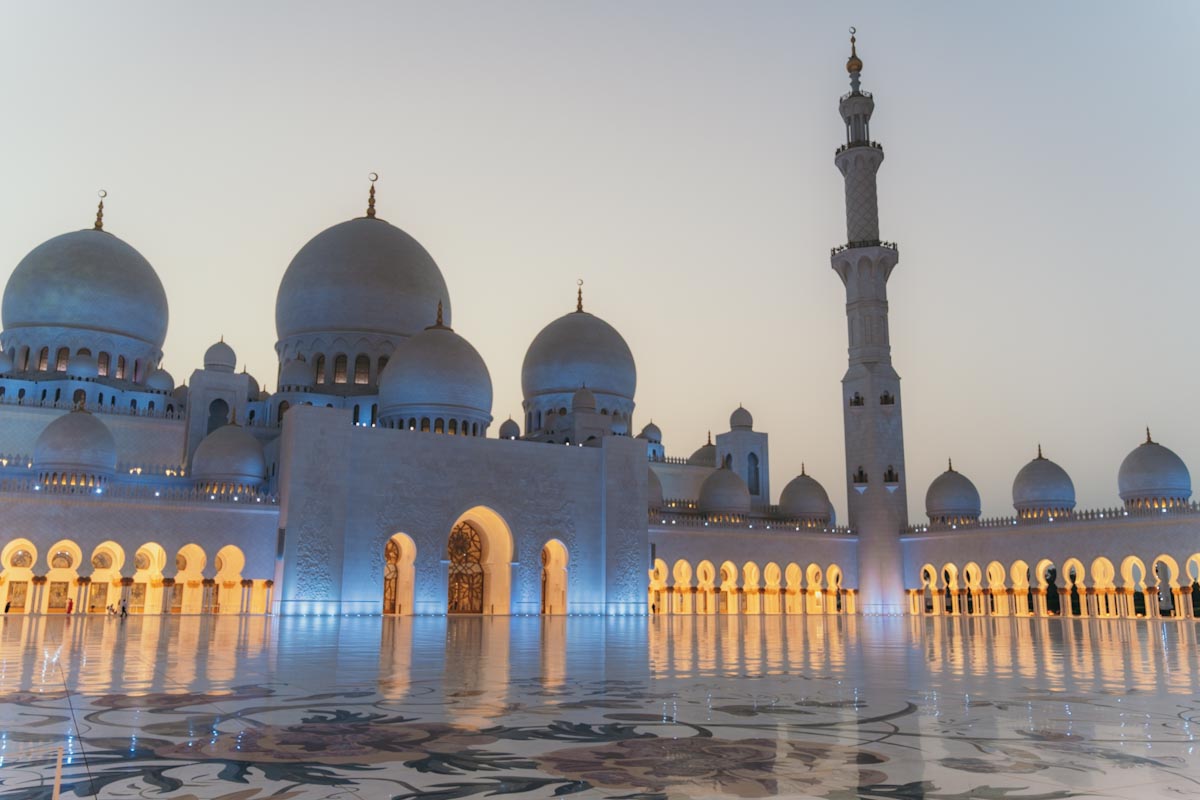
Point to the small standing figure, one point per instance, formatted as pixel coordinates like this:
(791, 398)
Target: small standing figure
(112, 612)
(7, 606)
(124, 610)
(70, 606)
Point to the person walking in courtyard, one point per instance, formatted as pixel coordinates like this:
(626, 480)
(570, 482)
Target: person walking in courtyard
(124, 610)
(70, 606)
(7, 606)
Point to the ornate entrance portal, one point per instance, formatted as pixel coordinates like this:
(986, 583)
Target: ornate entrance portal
(465, 552)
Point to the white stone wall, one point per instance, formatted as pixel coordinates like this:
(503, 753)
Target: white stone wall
(345, 491)
(146, 441)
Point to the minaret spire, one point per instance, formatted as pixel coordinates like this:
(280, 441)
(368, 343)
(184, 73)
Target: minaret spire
(877, 496)
(99, 226)
(579, 296)
(372, 177)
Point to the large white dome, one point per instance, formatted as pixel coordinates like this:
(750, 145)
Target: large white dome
(87, 280)
(436, 373)
(1153, 476)
(1043, 488)
(78, 444)
(952, 499)
(229, 459)
(805, 499)
(579, 349)
(724, 492)
(364, 276)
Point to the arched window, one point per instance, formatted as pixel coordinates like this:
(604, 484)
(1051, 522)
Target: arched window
(102, 364)
(383, 361)
(374, 413)
(79, 398)
(83, 351)
(60, 359)
(120, 368)
(218, 414)
(150, 406)
(729, 460)
(886, 399)
(133, 404)
(57, 395)
(424, 424)
(362, 370)
(856, 400)
(752, 481)
(475, 429)
(137, 370)
(453, 427)
(279, 414)
(439, 425)
(860, 476)
(339, 369)
(891, 476)
(43, 362)
(100, 399)
(320, 366)
(356, 411)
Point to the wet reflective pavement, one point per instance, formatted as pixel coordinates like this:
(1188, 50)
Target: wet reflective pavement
(831, 707)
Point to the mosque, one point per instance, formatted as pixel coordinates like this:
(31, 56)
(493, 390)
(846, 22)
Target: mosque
(123, 488)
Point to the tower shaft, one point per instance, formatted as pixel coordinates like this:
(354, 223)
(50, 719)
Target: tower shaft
(874, 433)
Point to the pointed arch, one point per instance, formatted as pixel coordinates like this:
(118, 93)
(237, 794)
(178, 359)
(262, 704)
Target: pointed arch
(399, 575)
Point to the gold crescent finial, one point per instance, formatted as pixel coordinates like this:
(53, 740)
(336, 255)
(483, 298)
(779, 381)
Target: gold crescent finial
(854, 64)
(372, 177)
(439, 314)
(99, 226)
(579, 295)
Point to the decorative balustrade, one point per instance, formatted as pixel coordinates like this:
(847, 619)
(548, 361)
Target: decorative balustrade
(1089, 515)
(667, 459)
(848, 95)
(690, 518)
(165, 495)
(841, 248)
(852, 145)
(95, 408)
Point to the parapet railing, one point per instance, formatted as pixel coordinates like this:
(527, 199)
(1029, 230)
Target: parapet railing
(190, 496)
(841, 248)
(95, 408)
(757, 521)
(667, 459)
(860, 143)
(1088, 515)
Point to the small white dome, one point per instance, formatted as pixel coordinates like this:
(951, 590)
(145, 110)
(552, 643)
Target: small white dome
(654, 490)
(724, 492)
(83, 366)
(6, 364)
(1153, 476)
(229, 455)
(161, 380)
(705, 455)
(296, 373)
(181, 393)
(77, 443)
(1043, 487)
(583, 400)
(740, 420)
(509, 429)
(220, 358)
(436, 372)
(252, 387)
(651, 433)
(952, 498)
(806, 499)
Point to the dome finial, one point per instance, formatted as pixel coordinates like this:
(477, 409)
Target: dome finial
(1040, 456)
(802, 472)
(854, 63)
(372, 177)
(440, 323)
(1148, 439)
(99, 226)
(439, 314)
(950, 465)
(710, 437)
(579, 296)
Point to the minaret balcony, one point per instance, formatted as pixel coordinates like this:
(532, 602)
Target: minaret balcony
(841, 248)
(852, 145)
(848, 95)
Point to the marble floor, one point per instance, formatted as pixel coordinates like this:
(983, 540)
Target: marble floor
(690, 707)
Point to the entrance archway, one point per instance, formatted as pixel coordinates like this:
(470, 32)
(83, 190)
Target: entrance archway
(399, 578)
(17, 562)
(554, 577)
(480, 553)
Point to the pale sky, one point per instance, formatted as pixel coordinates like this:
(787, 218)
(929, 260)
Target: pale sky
(678, 156)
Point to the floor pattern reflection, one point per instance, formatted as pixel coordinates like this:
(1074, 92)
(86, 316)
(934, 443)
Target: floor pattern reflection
(830, 707)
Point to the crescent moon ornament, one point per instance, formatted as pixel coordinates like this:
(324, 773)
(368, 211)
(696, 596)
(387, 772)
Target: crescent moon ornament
(373, 176)
(853, 30)
(102, 194)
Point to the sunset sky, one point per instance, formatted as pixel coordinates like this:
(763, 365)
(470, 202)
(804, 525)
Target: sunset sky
(1040, 180)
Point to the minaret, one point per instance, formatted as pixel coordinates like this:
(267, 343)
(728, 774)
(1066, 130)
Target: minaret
(875, 474)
